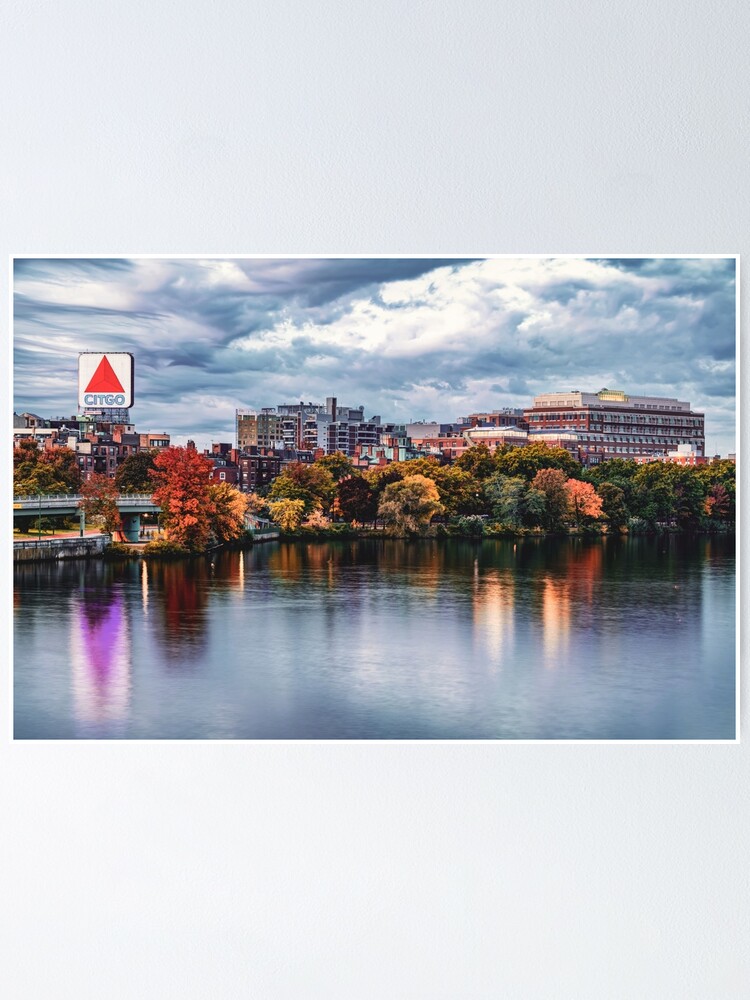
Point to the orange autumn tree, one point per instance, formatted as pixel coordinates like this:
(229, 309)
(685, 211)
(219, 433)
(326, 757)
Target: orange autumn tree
(584, 504)
(183, 491)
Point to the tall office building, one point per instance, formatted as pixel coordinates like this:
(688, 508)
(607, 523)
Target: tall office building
(262, 430)
(612, 424)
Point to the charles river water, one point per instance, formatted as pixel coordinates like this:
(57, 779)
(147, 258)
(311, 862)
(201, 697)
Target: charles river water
(613, 638)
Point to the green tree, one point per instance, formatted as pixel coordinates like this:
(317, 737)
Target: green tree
(688, 505)
(134, 475)
(529, 460)
(409, 505)
(460, 492)
(551, 482)
(477, 461)
(313, 484)
(653, 496)
(618, 472)
(719, 481)
(535, 503)
(505, 497)
(512, 501)
(613, 505)
(472, 525)
(338, 464)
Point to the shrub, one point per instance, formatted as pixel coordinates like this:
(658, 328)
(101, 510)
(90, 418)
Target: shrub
(499, 530)
(118, 552)
(471, 525)
(637, 525)
(160, 548)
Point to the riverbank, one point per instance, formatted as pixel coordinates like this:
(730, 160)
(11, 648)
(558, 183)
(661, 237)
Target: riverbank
(346, 532)
(99, 546)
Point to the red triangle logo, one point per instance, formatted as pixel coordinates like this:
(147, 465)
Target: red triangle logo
(104, 379)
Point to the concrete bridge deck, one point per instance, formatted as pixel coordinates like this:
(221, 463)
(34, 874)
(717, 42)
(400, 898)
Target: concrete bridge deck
(130, 505)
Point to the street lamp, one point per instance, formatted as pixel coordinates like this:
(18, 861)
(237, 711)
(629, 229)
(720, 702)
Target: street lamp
(39, 519)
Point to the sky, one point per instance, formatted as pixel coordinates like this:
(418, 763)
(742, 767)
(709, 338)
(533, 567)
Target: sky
(407, 338)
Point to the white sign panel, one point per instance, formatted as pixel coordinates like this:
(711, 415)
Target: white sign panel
(105, 380)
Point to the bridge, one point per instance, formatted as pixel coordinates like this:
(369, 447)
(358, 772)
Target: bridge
(130, 505)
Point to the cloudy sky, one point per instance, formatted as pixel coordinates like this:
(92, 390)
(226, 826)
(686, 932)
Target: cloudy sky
(407, 338)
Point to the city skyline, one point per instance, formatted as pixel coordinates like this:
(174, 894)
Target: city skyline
(407, 338)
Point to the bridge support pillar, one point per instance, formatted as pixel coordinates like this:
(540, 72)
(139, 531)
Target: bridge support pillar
(131, 526)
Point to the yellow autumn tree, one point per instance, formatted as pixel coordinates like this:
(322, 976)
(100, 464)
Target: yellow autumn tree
(228, 515)
(408, 506)
(287, 513)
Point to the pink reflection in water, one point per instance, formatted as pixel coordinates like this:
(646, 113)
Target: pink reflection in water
(101, 661)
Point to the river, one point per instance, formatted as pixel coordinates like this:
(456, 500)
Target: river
(613, 638)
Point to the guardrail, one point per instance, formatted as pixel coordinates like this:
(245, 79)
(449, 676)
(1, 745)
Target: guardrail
(47, 500)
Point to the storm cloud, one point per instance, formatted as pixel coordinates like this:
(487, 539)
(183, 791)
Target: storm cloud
(407, 338)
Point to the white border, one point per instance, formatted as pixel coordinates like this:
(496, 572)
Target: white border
(407, 256)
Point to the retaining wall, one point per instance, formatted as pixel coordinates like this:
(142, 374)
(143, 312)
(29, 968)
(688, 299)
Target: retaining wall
(60, 548)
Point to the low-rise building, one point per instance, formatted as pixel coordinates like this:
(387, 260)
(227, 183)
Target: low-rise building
(258, 467)
(390, 449)
(497, 418)
(448, 446)
(154, 440)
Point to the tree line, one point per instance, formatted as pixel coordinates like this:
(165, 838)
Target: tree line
(534, 488)
(195, 512)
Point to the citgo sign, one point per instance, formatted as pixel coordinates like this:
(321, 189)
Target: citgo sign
(105, 379)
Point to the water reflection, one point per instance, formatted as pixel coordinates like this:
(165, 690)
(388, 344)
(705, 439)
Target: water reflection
(493, 613)
(183, 593)
(533, 638)
(100, 659)
(555, 620)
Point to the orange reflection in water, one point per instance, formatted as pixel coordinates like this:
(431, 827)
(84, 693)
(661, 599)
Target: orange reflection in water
(587, 567)
(100, 660)
(285, 561)
(555, 619)
(493, 607)
(184, 598)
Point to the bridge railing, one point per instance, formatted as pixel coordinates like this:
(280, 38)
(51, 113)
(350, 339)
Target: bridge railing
(55, 498)
(73, 499)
